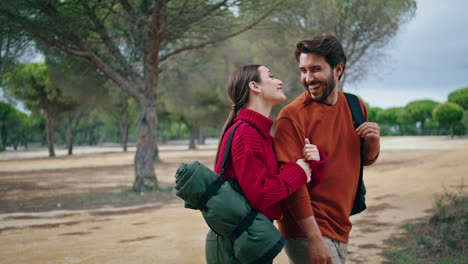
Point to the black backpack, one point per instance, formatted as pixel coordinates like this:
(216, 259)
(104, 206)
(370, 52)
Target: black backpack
(358, 118)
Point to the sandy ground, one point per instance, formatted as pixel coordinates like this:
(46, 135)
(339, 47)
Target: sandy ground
(401, 186)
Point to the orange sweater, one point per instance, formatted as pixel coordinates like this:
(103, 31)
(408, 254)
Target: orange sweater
(331, 129)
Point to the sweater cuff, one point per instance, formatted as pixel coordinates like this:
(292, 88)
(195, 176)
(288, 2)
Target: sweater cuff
(293, 175)
(318, 170)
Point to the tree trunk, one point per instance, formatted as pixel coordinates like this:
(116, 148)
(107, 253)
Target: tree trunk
(44, 140)
(179, 128)
(3, 133)
(193, 136)
(202, 133)
(147, 151)
(69, 136)
(422, 127)
(400, 129)
(125, 137)
(50, 125)
(124, 130)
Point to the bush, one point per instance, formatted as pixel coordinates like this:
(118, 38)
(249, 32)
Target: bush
(442, 238)
(459, 97)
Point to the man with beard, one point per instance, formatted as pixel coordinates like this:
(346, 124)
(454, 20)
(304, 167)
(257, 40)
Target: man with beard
(315, 219)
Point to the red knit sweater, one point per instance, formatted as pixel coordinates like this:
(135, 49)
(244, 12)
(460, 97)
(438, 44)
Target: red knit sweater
(253, 164)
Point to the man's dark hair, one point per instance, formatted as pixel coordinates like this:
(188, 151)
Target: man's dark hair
(327, 46)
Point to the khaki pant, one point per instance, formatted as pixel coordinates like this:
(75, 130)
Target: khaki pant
(296, 249)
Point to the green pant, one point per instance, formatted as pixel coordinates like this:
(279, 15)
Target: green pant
(219, 250)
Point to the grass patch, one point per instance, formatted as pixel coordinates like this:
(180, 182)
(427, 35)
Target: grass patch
(440, 239)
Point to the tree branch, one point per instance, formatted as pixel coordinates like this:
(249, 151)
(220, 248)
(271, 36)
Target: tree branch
(119, 14)
(94, 59)
(108, 71)
(114, 50)
(185, 26)
(210, 42)
(128, 7)
(60, 46)
(182, 10)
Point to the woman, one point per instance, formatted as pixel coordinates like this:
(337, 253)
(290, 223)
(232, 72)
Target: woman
(253, 91)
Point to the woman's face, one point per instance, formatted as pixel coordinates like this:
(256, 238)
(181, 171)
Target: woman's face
(271, 88)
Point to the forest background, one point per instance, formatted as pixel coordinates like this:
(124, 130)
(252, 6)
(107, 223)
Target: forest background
(138, 73)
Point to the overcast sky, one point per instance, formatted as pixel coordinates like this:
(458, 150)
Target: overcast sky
(427, 59)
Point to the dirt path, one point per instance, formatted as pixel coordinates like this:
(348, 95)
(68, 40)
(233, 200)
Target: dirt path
(400, 188)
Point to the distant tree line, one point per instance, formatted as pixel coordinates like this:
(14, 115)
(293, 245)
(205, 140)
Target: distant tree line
(105, 124)
(425, 117)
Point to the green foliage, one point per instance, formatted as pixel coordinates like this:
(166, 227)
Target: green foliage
(12, 47)
(448, 114)
(396, 117)
(193, 90)
(79, 82)
(15, 127)
(399, 257)
(364, 28)
(191, 85)
(420, 111)
(459, 97)
(6, 111)
(388, 116)
(442, 238)
(30, 83)
(170, 128)
(373, 113)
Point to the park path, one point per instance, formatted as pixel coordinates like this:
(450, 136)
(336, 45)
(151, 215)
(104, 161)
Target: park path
(400, 186)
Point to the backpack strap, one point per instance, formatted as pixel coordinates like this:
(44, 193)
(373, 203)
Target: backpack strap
(227, 149)
(358, 118)
(356, 110)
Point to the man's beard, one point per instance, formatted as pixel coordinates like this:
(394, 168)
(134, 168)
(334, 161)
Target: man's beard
(328, 86)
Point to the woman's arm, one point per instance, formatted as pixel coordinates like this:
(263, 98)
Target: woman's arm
(261, 187)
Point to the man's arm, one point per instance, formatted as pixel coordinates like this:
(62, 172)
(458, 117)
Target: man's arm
(319, 252)
(288, 143)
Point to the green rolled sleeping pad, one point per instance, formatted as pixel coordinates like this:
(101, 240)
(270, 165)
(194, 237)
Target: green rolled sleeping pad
(227, 213)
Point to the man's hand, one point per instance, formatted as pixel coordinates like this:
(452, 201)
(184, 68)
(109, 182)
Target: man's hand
(371, 133)
(319, 252)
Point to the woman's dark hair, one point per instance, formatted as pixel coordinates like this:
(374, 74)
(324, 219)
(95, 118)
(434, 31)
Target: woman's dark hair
(327, 46)
(237, 88)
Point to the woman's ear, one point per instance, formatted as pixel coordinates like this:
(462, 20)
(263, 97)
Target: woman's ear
(254, 87)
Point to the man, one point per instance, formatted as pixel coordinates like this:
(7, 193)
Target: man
(316, 220)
